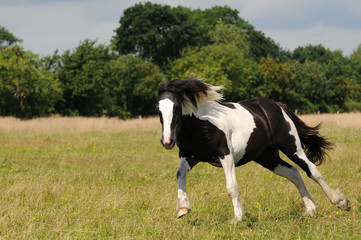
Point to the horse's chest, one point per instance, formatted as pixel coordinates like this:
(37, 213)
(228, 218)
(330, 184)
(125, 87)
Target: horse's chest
(202, 139)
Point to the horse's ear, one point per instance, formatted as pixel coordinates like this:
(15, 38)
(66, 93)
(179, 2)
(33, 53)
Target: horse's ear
(161, 88)
(161, 85)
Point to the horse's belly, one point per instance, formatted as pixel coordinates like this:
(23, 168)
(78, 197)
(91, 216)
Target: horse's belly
(243, 125)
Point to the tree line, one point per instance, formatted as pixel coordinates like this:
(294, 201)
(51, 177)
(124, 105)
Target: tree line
(156, 43)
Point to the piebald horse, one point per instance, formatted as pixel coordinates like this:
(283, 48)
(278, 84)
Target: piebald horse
(228, 135)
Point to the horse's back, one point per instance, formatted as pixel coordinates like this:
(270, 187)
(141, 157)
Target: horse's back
(270, 127)
(267, 112)
(261, 137)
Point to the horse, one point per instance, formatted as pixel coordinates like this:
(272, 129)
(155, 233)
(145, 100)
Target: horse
(229, 134)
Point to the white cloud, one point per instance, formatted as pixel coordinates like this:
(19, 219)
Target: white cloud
(62, 25)
(346, 40)
(48, 25)
(251, 9)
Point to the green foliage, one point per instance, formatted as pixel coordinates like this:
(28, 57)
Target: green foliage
(155, 31)
(355, 59)
(154, 42)
(262, 46)
(199, 64)
(84, 74)
(340, 86)
(312, 53)
(133, 86)
(293, 83)
(230, 34)
(208, 19)
(216, 64)
(160, 32)
(307, 87)
(97, 82)
(7, 38)
(27, 88)
(218, 14)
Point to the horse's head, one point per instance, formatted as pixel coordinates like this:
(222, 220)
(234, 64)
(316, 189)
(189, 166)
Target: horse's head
(170, 112)
(178, 98)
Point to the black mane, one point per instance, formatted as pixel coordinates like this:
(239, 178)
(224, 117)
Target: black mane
(185, 90)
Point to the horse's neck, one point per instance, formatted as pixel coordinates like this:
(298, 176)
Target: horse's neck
(210, 110)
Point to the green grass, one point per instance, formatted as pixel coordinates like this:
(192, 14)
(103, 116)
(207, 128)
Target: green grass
(122, 185)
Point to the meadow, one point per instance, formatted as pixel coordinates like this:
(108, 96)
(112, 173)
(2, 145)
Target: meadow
(104, 178)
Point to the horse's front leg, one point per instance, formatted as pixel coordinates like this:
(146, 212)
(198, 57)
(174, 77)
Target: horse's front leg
(232, 187)
(183, 205)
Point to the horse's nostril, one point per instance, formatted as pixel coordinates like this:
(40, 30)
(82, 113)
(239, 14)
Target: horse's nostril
(168, 144)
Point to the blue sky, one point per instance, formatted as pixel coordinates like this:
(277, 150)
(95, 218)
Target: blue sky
(47, 25)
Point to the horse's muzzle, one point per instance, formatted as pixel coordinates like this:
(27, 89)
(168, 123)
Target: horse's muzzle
(169, 144)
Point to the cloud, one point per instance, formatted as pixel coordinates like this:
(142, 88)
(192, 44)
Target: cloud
(330, 37)
(46, 25)
(62, 25)
(251, 9)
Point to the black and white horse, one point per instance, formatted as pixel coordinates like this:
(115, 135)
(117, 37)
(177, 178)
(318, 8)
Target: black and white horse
(229, 135)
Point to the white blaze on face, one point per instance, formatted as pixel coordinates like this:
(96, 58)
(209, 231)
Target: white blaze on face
(166, 109)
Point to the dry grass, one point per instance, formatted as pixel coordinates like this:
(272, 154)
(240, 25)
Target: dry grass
(75, 125)
(104, 124)
(343, 120)
(104, 178)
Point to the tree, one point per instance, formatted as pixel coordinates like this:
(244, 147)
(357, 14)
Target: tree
(27, 87)
(317, 53)
(7, 38)
(262, 46)
(156, 32)
(132, 87)
(219, 64)
(230, 34)
(208, 19)
(160, 32)
(356, 54)
(84, 73)
(97, 82)
(355, 59)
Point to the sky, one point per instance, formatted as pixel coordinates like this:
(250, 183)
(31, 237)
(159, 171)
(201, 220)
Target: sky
(49, 25)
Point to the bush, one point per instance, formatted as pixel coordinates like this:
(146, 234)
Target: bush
(27, 88)
(222, 64)
(132, 87)
(84, 73)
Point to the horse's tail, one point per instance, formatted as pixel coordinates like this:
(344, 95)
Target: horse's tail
(314, 145)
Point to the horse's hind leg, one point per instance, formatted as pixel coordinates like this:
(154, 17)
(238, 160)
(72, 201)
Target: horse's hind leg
(273, 162)
(289, 142)
(335, 196)
(291, 173)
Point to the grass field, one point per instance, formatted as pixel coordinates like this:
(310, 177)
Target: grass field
(88, 178)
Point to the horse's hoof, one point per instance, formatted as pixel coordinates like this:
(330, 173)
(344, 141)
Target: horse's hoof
(308, 213)
(345, 205)
(182, 211)
(340, 200)
(236, 220)
(348, 205)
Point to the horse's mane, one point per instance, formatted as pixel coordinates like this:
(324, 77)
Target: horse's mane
(192, 90)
